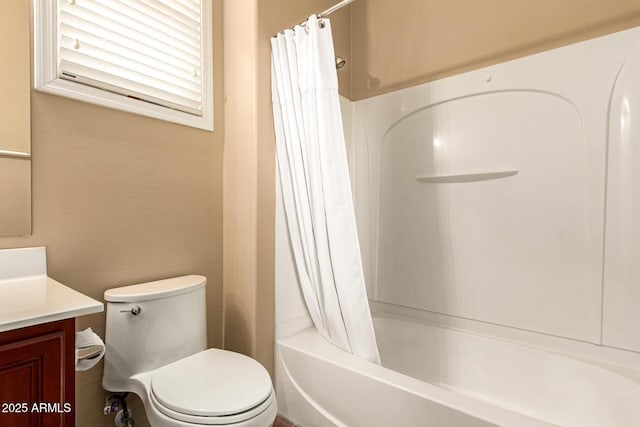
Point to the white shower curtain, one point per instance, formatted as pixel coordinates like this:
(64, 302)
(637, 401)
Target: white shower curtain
(315, 185)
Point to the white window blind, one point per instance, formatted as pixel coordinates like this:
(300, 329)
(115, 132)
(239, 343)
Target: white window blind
(150, 50)
(120, 53)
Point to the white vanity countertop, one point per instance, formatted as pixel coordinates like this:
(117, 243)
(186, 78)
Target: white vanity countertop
(32, 300)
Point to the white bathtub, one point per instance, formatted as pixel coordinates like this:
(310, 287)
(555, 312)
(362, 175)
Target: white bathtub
(434, 376)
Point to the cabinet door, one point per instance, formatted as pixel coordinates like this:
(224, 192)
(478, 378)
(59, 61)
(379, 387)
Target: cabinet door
(35, 390)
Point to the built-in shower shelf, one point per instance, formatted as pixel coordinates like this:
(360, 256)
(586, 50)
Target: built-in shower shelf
(467, 177)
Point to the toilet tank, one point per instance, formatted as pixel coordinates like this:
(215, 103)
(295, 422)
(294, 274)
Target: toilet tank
(170, 325)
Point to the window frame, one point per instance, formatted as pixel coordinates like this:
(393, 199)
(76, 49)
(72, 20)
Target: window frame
(45, 72)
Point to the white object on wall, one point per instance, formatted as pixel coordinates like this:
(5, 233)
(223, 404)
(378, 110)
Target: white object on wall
(150, 59)
(621, 305)
(523, 250)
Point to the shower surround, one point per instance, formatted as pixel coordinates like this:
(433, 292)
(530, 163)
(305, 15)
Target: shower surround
(495, 215)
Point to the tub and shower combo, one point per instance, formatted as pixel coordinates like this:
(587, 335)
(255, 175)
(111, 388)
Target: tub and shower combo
(498, 220)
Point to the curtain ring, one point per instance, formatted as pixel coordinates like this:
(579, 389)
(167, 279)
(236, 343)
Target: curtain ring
(321, 23)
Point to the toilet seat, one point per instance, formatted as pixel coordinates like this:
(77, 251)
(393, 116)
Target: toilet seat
(220, 420)
(212, 387)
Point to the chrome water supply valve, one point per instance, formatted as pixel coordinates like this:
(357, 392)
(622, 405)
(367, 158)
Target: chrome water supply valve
(117, 402)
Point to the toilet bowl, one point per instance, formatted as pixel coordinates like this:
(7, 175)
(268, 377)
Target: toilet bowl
(156, 348)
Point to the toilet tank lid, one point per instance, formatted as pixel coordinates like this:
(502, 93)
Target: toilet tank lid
(155, 290)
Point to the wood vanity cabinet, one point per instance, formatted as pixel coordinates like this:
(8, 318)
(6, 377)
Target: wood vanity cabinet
(37, 375)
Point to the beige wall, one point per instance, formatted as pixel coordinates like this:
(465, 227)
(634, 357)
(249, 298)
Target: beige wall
(240, 178)
(400, 44)
(120, 199)
(249, 164)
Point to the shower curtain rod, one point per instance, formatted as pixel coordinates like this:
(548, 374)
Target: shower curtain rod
(329, 11)
(334, 8)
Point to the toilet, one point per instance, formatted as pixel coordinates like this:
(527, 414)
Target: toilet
(156, 347)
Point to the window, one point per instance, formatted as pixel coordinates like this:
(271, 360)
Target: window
(149, 57)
